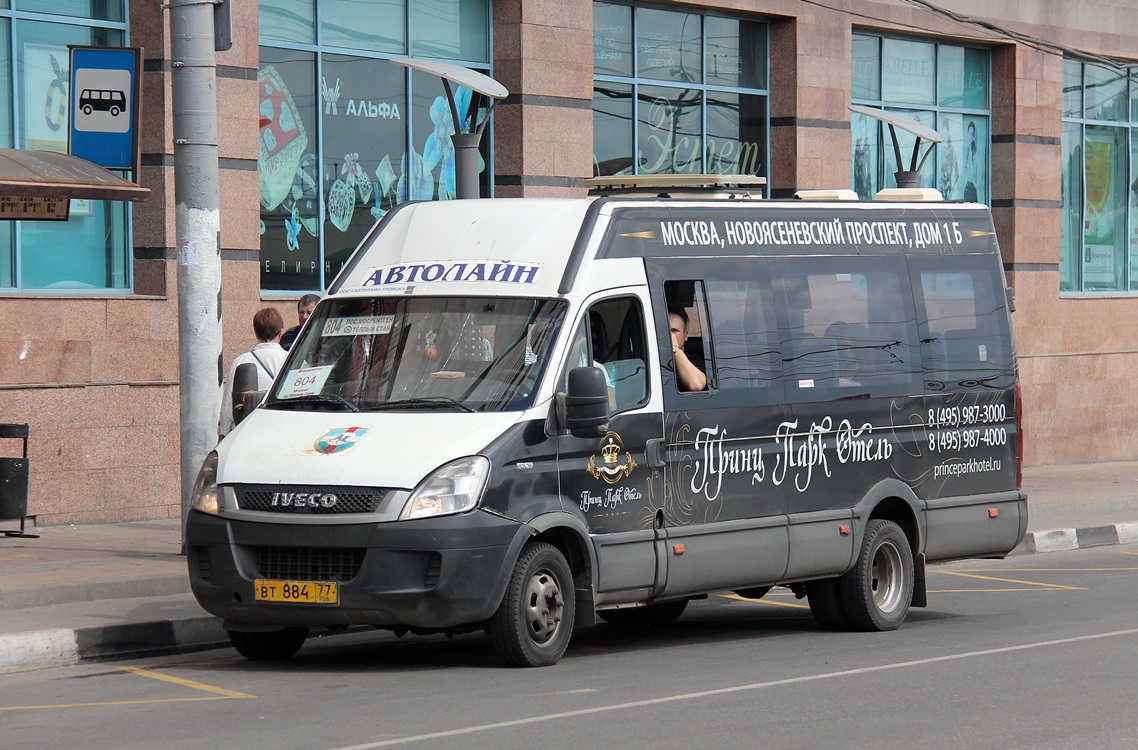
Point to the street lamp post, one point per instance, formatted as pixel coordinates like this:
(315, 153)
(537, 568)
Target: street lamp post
(485, 89)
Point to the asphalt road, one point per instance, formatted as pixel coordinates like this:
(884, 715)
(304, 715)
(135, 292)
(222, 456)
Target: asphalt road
(1039, 651)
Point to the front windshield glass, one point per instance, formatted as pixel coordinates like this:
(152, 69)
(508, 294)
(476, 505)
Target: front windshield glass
(419, 353)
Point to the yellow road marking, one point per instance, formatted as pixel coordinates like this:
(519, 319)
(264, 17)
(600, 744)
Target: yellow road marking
(220, 694)
(1056, 586)
(765, 600)
(186, 683)
(985, 591)
(1052, 570)
(113, 703)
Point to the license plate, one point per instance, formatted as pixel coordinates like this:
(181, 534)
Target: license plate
(296, 592)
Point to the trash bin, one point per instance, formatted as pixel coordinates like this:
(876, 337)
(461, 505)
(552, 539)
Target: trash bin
(14, 478)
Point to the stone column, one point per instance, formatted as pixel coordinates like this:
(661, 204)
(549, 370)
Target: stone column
(1027, 157)
(810, 90)
(543, 132)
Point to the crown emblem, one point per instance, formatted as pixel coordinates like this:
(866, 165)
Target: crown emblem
(616, 463)
(611, 453)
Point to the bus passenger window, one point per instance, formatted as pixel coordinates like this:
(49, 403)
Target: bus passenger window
(967, 342)
(688, 336)
(846, 328)
(745, 335)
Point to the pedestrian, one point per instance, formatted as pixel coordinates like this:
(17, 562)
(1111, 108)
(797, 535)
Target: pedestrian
(304, 310)
(267, 355)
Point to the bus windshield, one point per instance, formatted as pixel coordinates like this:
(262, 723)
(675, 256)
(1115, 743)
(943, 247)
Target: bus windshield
(421, 353)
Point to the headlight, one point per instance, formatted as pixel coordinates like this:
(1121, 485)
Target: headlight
(454, 488)
(206, 496)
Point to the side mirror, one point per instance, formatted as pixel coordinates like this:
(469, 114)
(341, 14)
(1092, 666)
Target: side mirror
(244, 381)
(587, 402)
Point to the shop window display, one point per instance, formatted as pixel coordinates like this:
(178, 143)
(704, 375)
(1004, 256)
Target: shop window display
(346, 134)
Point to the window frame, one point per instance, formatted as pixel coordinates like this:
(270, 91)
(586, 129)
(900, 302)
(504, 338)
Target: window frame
(634, 82)
(117, 253)
(882, 143)
(318, 51)
(1076, 126)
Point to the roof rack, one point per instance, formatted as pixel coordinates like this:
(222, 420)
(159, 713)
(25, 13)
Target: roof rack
(835, 194)
(740, 186)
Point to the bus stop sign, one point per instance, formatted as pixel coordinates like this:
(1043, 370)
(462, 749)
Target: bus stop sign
(104, 105)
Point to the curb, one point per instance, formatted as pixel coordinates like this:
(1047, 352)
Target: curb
(42, 649)
(1060, 540)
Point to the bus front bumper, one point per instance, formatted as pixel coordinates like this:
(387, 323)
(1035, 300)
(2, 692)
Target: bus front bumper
(431, 574)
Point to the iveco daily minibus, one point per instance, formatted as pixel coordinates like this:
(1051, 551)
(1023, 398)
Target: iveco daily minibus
(481, 426)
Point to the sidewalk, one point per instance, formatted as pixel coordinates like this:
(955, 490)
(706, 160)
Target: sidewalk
(83, 593)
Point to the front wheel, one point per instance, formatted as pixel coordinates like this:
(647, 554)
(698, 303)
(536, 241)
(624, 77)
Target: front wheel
(534, 622)
(276, 645)
(877, 593)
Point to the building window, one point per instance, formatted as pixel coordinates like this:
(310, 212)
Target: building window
(678, 91)
(1099, 237)
(345, 133)
(943, 86)
(91, 250)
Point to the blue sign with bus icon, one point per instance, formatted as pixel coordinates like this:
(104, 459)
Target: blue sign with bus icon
(104, 105)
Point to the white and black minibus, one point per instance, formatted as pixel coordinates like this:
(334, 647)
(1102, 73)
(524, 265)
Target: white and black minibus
(482, 427)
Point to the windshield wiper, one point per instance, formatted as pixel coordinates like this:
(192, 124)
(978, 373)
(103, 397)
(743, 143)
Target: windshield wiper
(418, 403)
(327, 399)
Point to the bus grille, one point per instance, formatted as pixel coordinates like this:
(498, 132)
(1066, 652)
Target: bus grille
(269, 498)
(309, 563)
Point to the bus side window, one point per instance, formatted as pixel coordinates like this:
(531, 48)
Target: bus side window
(847, 327)
(745, 334)
(965, 344)
(689, 300)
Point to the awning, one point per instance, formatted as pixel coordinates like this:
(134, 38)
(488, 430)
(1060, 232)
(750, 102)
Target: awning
(47, 174)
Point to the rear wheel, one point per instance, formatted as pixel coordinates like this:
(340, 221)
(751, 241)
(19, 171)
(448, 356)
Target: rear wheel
(878, 591)
(276, 645)
(534, 622)
(826, 604)
(651, 614)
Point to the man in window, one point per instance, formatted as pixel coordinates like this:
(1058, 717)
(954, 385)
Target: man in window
(690, 374)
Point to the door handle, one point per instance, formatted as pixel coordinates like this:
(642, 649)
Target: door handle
(654, 453)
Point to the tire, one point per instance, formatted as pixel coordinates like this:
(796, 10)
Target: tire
(534, 622)
(114, 111)
(276, 645)
(826, 604)
(878, 591)
(650, 615)
(86, 109)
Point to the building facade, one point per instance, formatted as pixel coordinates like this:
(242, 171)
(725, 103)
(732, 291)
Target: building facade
(320, 134)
